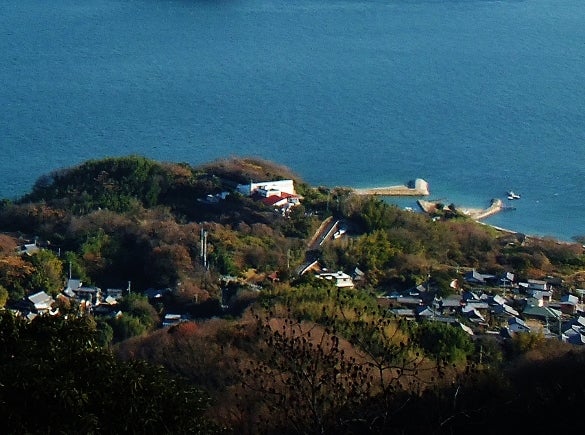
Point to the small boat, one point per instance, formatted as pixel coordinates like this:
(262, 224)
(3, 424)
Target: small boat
(512, 195)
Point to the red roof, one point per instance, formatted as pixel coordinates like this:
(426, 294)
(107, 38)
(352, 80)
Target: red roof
(271, 200)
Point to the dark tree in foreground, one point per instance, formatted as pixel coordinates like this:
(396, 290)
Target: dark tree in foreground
(52, 369)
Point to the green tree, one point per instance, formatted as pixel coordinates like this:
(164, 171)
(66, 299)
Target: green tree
(75, 266)
(138, 306)
(3, 296)
(126, 326)
(48, 272)
(443, 341)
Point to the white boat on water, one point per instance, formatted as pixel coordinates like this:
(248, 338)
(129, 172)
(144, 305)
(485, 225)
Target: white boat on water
(512, 195)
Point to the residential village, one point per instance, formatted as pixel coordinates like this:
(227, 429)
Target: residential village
(479, 304)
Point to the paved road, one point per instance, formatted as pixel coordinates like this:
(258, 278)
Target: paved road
(324, 232)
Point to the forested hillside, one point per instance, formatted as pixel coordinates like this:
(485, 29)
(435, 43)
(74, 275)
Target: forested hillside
(272, 350)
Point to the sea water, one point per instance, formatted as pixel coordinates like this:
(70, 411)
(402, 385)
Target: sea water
(477, 97)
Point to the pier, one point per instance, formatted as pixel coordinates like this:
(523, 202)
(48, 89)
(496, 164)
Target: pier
(495, 207)
(477, 214)
(418, 187)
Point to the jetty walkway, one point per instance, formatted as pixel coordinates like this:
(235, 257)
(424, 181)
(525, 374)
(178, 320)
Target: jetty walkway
(418, 187)
(495, 207)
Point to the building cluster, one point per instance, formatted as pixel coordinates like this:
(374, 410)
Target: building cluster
(497, 305)
(90, 299)
(277, 194)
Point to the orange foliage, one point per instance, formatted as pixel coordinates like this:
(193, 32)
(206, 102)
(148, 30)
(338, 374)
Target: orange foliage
(180, 173)
(184, 329)
(14, 268)
(7, 245)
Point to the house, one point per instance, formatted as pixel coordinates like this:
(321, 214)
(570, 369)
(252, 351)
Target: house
(516, 324)
(505, 310)
(573, 335)
(267, 188)
(474, 277)
(427, 312)
(93, 295)
(498, 300)
(114, 293)
(282, 202)
(358, 275)
(340, 278)
(472, 314)
(507, 280)
(450, 304)
(418, 290)
(499, 306)
(543, 296)
(72, 285)
(405, 313)
(172, 319)
(470, 296)
(29, 248)
(89, 295)
(409, 301)
(578, 322)
(42, 303)
(274, 201)
(477, 305)
(537, 284)
(569, 304)
(541, 313)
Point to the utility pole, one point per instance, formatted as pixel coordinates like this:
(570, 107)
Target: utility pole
(204, 247)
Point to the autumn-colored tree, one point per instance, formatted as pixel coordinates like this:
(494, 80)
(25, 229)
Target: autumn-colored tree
(14, 273)
(167, 264)
(305, 378)
(8, 245)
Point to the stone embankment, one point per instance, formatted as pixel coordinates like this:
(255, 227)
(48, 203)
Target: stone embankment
(418, 187)
(475, 213)
(495, 207)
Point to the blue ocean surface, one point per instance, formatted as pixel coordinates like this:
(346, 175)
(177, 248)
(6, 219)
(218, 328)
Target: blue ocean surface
(477, 97)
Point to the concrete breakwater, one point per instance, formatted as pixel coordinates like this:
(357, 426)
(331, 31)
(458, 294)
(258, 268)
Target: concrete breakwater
(418, 187)
(495, 206)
